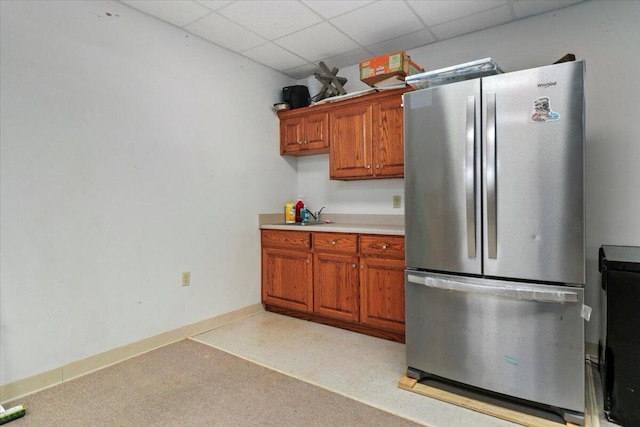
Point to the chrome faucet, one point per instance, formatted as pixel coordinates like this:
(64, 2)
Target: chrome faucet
(316, 215)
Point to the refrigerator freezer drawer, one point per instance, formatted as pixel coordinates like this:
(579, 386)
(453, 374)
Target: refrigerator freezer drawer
(521, 340)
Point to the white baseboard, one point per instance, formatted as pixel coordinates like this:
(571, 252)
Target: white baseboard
(81, 367)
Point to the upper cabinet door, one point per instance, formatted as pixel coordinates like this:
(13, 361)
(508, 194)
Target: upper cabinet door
(388, 147)
(304, 133)
(316, 131)
(350, 150)
(291, 135)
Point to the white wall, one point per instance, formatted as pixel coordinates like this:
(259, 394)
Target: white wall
(352, 197)
(605, 34)
(130, 152)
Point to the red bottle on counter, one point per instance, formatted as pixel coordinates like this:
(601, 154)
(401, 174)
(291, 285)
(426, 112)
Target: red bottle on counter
(299, 207)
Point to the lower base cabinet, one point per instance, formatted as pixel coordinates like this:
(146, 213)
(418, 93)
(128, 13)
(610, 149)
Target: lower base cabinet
(382, 293)
(287, 271)
(335, 286)
(287, 279)
(352, 281)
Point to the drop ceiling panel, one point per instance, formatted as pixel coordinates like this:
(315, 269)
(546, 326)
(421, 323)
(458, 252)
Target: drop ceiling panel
(348, 58)
(174, 11)
(317, 42)
(214, 4)
(274, 56)
(382, 20)
(292, 36)
(419, 38)
(469, 24)
(441, 11)
(330, 9)
(225, 33)
(528, 8)
(271, 19)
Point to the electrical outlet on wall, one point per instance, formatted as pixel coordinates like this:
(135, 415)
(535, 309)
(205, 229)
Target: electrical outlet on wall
(186, 278)
(397, 201)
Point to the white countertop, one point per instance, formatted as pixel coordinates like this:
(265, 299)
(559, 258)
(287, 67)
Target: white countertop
(340, 223)
(340, 228)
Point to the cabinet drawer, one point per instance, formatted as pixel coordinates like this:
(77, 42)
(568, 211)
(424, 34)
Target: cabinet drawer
(335, 243)
(287, 239)
(379, 245)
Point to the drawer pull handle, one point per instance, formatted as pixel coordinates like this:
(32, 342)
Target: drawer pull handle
(384, 246)
(353, 265)
(308, 261)
(333, 242)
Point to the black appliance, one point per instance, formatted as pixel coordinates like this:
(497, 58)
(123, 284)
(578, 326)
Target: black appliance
(619, 369)
(296, 96)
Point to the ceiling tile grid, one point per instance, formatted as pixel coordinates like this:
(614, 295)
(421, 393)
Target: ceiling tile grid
(293, 36)
(219, 30)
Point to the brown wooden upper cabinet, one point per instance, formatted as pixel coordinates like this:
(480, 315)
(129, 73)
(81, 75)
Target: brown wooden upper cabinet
(363, 135)
(366, 139)
(304, 133)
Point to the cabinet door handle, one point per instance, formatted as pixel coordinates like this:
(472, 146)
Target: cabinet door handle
(305, 141)
(368, 166)
(361, 266)
(377, 166)
(384, 246)
(333, 242)
(308, 261)
(300, 142)
(353, 265)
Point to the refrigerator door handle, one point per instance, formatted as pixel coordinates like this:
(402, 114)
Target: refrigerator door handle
(492, 226)
(470, 175)
(518, 293)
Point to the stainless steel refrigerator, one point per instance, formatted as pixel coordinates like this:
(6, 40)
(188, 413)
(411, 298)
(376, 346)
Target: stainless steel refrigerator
(495, 240)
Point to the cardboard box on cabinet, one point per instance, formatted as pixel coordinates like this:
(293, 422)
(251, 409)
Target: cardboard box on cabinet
(384, 67)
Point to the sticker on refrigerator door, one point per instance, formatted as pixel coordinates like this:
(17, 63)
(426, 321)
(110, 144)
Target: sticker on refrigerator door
(542, 111)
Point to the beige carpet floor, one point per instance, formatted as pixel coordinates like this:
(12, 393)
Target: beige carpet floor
(193, 384)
